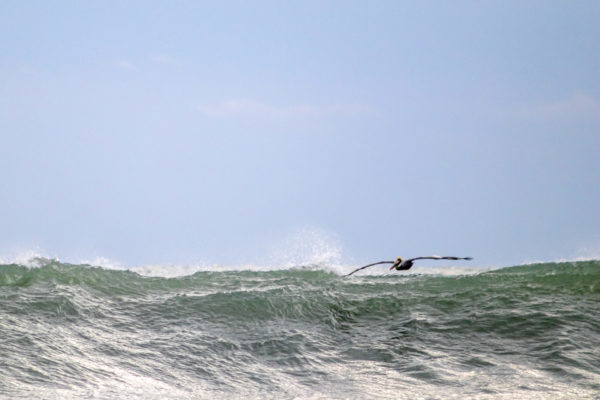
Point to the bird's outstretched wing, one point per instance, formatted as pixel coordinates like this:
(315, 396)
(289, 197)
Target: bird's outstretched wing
(370, 265)
(440, 258)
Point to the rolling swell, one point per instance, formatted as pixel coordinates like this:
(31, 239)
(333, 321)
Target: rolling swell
(83, 331)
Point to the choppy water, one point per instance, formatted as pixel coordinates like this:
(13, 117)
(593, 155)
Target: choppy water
(77, 331)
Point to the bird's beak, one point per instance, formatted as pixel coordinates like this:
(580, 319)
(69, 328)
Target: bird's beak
(392, 267)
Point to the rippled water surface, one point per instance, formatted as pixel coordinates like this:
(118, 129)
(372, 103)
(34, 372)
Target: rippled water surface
(77, 331)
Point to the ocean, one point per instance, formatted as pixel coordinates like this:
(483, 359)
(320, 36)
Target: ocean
(74, 331)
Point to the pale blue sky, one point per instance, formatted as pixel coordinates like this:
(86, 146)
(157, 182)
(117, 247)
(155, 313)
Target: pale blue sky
(182, 132)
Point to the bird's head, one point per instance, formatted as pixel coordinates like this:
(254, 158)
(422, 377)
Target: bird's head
(397, 263)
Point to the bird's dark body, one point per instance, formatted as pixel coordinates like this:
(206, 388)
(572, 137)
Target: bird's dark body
(405, 265)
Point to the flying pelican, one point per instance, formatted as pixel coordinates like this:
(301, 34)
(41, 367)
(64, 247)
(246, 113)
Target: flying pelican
(401, 265)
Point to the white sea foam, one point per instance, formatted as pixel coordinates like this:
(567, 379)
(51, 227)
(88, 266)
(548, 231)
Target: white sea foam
(309, 248)
(446, 270)
(26, 258)
(314, 255)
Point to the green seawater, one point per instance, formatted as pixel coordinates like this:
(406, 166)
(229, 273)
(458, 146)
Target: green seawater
(78, 331)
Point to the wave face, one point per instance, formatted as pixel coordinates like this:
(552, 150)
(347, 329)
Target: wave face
(78, 331)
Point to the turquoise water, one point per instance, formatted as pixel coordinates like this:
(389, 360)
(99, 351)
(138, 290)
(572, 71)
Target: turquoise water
(78, 331)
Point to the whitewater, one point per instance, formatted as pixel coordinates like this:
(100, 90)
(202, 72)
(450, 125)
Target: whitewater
(79, 331)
